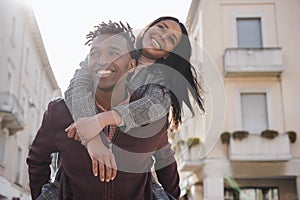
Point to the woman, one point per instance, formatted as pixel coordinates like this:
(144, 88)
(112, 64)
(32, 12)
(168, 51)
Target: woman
(164, 49)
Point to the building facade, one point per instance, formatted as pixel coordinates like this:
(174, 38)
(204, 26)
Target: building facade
(27, 83)
(247, 146)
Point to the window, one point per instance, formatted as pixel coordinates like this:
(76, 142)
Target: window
(267, 193)
(26, 59)
(13, 32)
(9, 78)
(249, 32)
(19, 166)
(36, 80)
(254, 112)
(3, 145)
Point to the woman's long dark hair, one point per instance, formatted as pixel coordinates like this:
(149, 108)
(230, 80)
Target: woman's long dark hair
(179, 60)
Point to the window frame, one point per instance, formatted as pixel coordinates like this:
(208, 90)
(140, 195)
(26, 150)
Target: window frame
(247, 16)
(238, 99)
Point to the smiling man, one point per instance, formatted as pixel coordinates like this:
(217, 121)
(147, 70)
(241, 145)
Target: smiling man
(110, 58)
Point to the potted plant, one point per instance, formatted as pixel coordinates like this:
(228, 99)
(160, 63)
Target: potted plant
(225, 137)
(269, 134)
(240, 135)
(193, 147)
(192, 141)
(292, 136)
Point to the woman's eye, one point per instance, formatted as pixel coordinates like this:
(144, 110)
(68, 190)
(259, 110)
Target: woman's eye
(171, 39)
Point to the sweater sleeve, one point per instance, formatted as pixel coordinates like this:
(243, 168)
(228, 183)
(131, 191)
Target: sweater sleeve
(166, 168)
(39, 156)
(154, 104)
(79, 96)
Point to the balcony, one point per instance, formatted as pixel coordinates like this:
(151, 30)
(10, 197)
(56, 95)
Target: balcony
(253, 62)
(189, 158)
(11, 113)
(254, 147)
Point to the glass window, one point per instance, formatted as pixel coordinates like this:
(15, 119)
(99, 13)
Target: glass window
(3, 145)
(249, 32)
(254, 112)
(19, 166)
(267, 193)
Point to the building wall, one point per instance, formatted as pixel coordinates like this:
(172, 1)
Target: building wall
(33, 84)
(212, 25)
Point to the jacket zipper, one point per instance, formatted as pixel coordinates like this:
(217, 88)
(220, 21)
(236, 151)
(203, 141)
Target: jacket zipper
(110, 147)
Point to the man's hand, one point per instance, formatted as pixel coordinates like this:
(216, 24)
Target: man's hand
(103, 160)
(84, 129)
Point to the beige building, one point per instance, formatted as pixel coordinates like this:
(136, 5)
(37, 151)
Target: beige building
(248, 54)
(27, 84)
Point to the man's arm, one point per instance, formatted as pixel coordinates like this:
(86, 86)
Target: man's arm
(39, 156)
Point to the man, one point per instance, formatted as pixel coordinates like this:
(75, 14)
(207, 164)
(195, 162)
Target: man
(108, 61)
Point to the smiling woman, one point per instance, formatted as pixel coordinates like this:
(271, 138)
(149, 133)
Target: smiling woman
(161, 39)
(64, 32)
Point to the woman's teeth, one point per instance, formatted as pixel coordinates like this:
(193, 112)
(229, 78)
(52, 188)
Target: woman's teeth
(156, 44)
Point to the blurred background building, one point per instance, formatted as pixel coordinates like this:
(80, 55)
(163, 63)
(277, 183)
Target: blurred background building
(255, 44)
(27, 84)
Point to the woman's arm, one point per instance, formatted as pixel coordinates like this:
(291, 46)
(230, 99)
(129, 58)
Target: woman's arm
(152, 106)
(79, 96)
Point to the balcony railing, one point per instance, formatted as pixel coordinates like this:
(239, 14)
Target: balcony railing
(253, 62)
(254, 147)
(11, 112)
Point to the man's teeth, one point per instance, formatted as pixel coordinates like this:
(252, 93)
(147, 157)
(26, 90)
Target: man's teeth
(156, 44)
(104, 72)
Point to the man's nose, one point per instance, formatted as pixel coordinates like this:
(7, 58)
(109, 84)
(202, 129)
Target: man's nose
(103, 60)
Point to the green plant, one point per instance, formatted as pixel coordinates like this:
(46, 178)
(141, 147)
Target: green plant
(180, 142)
(292, 136)
(269, 134)
(225, 137)
(192, 141)
(240, 135)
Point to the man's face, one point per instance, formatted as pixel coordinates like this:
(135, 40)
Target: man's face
(109, 60)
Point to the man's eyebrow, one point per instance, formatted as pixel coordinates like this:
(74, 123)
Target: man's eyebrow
(114, 48)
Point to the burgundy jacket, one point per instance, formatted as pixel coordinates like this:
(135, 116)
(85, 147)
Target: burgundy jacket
(134, 156)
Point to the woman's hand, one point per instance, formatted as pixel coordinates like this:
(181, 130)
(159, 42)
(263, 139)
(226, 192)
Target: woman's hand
(103, 160)
(85, 129)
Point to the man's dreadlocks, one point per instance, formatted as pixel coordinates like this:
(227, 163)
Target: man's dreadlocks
(114, 28)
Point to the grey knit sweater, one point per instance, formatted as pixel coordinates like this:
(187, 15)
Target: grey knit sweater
(154, 104)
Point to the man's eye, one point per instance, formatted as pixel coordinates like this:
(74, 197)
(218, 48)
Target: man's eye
(93, 54)
(113, 54)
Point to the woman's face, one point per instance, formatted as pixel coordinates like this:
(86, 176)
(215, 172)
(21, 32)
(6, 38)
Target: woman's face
(161, 38)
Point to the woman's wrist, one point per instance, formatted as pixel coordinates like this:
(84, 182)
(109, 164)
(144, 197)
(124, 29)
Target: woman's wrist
(111, 117)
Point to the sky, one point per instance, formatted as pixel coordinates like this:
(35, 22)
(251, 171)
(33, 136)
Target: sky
(64, 24)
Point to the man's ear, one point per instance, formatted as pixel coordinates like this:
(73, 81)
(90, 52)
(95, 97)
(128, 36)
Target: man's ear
(132, 64)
